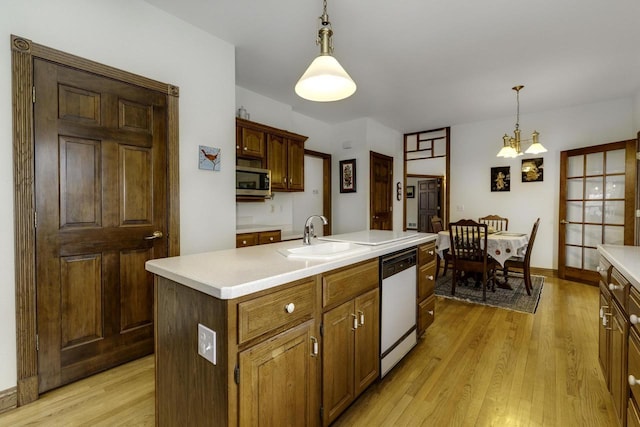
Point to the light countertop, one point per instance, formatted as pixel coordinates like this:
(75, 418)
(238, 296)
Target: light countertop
(626, 259)
(233, 273)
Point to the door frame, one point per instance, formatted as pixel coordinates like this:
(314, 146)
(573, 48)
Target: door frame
(372, 155)
(326, 186)
(443, 209)
(23, 52)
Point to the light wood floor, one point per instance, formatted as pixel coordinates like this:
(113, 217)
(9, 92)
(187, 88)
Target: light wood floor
(476, 366)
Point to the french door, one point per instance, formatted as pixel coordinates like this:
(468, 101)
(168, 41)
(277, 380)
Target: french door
(597, 205)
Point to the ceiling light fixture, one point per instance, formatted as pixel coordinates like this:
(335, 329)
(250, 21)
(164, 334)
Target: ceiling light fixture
(511, 145)
(325, 80)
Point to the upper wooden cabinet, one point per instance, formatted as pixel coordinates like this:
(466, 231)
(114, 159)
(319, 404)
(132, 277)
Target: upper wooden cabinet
(285, 159)
(278, 150)
(249, 140)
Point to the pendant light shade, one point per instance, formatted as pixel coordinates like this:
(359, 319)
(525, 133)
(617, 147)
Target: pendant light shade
(325, 80)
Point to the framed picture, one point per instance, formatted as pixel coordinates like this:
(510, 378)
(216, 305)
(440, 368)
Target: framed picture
(532, 170)
(208, 158)
(348, 176)
(501, 178)
(411, 191)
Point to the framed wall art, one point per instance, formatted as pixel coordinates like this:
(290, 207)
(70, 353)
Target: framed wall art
(208, 158)
(411, 191)
(532, 170)
(501, 178)
(348, 176)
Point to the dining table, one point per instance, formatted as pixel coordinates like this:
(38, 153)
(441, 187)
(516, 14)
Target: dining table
(501, 245)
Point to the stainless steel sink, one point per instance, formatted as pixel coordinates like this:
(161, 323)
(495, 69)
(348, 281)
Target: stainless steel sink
(324, 251)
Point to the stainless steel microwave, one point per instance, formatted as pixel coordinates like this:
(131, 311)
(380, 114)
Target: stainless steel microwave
(253, 182)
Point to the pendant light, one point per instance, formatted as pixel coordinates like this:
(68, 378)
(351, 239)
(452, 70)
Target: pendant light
(512, 145)
(325, 80)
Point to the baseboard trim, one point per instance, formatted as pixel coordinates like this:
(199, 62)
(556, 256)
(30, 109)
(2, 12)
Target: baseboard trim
(8, 399)
(544, 272)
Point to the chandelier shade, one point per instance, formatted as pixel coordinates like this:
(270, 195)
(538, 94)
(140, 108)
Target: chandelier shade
(512, 146)
(325, 80)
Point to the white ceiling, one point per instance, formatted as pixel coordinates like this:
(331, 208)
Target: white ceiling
(423, 64)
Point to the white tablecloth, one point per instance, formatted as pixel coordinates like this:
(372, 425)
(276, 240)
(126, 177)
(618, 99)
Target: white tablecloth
(502, 245)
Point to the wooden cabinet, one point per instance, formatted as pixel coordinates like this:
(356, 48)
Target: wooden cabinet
(258, 238)
(281, 151)
(618, 346)
(250, 140)
(285, 159)
(276, 380)
(351, 336)
(426, 286)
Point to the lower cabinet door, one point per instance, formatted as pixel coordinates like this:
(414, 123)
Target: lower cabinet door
(337, 360)
(619, 381)
(603, 334)
(633, 417)
(367, 345)
(277, 379)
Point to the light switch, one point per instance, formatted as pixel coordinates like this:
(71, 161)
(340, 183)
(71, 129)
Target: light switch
(207, 343)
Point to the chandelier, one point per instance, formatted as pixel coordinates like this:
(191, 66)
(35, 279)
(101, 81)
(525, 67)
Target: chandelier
(512, 145)
(325, 80)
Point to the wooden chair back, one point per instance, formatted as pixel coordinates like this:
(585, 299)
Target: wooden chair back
(532, 238)
(496, 222)
(468, 242)
(436, 224)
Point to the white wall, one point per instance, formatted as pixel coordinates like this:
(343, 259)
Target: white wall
(473, 152)
(136, 37)
(636, 112)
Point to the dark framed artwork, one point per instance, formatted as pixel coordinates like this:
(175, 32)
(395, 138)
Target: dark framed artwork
(411, 191)
(501, 178)
(532, 170)
(348, 176)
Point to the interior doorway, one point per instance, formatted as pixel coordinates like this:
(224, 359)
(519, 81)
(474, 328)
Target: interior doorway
(316, 198)
(424, 200)
(24, 55)
(380, 188)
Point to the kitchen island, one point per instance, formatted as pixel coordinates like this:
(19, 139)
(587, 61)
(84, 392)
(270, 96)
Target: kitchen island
(288, 341)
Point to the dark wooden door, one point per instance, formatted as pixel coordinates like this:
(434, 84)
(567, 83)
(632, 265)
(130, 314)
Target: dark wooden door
(381, 186)
(428, 203)
(100, 178)
(597, 206)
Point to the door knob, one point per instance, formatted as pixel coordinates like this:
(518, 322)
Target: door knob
(155, 235)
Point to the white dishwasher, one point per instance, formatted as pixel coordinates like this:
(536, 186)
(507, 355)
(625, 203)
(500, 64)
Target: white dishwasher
(397, 307)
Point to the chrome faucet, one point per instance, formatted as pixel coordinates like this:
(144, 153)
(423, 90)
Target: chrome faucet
(307, 234)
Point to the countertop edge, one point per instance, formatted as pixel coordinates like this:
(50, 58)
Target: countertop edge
(292, 270)
(626, 259)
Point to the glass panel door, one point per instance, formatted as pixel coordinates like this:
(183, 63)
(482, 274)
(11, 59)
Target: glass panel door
(596, 207)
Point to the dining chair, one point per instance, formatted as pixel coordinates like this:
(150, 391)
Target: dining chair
(469, 253)
(496, 222)
(523, 262)
(436, 226)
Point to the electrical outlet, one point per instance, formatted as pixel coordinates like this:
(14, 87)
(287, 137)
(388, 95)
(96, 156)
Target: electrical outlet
(207, 343)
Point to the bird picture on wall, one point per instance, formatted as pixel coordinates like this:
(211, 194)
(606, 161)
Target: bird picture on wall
(209, 158)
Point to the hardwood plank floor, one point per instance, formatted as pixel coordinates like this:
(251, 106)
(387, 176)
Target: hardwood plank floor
(476, 366)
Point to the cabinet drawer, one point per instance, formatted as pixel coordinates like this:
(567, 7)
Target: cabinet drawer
(619, 288)
(604, 268)
(427, 253)
(246, 239)
(634, 363)
(343, 284)
(266, 313)
(426, 313)
(634, 307)
(426, 280)
(269, 237)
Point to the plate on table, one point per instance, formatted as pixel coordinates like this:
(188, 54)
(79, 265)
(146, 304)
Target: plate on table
(508, 234)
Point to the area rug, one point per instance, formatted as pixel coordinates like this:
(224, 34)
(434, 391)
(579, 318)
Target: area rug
(516, 299)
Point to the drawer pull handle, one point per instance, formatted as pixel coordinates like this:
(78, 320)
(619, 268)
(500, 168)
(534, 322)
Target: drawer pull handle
(271, 238)
(605, 322)
(430, 312)
(602, 310)
(633, 381)
(314, 351)
(244, 242)
(613, 287)
(355, 322)
(290, 307)
(430, 252)
(430, 277)
(634, 319)
(361, 318)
